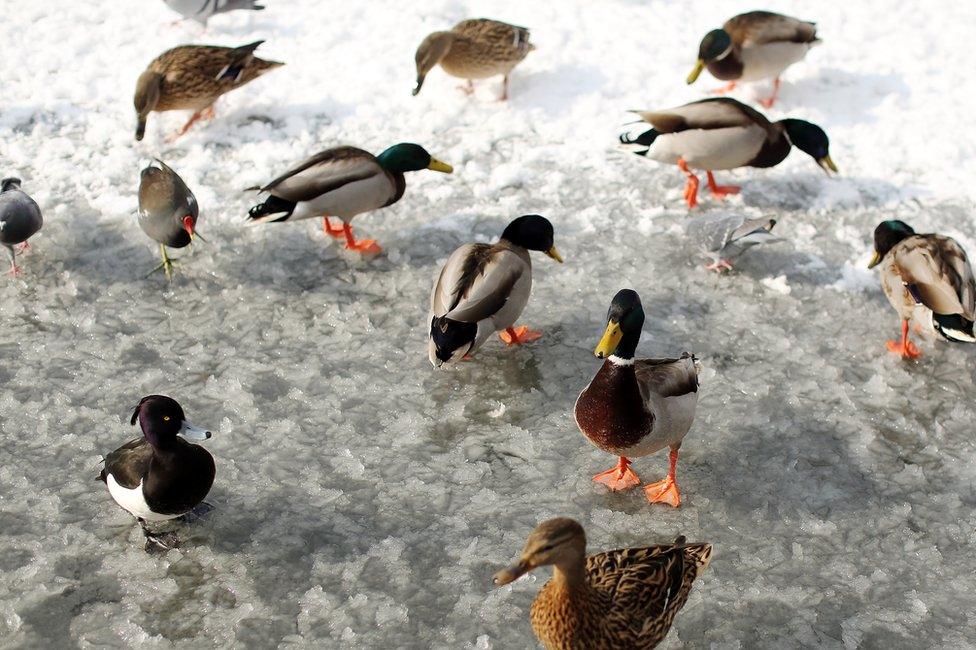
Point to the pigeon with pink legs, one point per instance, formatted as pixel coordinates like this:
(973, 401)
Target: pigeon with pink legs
(723, 237)
(20, 219)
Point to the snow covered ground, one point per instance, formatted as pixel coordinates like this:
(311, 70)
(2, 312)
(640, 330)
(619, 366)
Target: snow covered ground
(364, 499)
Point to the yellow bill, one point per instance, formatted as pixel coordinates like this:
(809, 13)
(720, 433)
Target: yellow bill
(874, 260)
(439, 166)
(611, 338)
(693, 77)
(554, 254)
(827, 164)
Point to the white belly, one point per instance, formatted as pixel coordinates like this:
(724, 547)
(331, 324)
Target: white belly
(672, 420)
(770, 59)
(712, 149)
(133, 500)
(349, 200)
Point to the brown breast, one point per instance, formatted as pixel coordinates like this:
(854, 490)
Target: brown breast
(611, 411)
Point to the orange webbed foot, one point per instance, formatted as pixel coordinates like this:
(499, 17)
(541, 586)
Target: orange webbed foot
(907, 350)
(663, 491)
(365, 247)
(519, 335)
(337, 233)
(618, 478)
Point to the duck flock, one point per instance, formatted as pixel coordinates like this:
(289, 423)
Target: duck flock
(632, 408)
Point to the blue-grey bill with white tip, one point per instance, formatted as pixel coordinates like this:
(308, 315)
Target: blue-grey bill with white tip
(193, 432)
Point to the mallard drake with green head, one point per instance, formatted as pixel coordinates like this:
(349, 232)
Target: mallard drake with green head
(342, 182)
(753, 46)
(626, 598)
(722, 133)
(193, 77)
(474, 49)
(483, 288)
(636, 407)
(928, 279)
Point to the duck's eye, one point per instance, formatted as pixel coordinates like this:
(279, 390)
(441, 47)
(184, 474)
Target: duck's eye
(545, 549)
(165, 418)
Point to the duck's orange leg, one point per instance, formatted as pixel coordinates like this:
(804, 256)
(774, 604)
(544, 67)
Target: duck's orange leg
(769, 101)
(665, 490)
(618, 478)
(720, 190)
(724, 89)
(330, 231)
(905, 348)
(691, 187)
(519, 335)
(364, 246)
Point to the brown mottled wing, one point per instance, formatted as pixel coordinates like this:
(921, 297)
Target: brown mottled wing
(707, 114)
(510, 41)
(324, 172)
(937, 271)
(758, 27)
(483, 282)
(667, 377)
(200, 72)
(129, 463)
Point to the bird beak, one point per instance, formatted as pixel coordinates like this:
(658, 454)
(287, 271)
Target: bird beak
(420, 83)
(140, 130)
(693, 77)
(554, 254)
(512, 573)
(188, 226)
(193, 432)
(827, 165)
(874, 260)
(611, 338)
(438, 166)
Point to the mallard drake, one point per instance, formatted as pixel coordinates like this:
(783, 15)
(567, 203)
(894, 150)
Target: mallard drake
(753, 46)
(724, 237)
(203, 10)
(626, 598)
(20, 219)
(474, 49)
(722, 133)
(635, 407)
(168, 211)
(193, 77)
(159, 477)
(483, 289)
(927, 278)
(342, 182)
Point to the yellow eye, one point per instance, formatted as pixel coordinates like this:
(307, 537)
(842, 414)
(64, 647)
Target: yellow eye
(165, 418)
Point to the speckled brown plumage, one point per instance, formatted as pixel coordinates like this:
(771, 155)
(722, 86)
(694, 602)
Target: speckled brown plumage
(193, 77)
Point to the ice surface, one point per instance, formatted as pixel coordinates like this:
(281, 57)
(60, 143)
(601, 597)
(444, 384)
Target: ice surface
(363, 499)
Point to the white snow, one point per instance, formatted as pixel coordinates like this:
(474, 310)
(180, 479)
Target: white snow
(363, 499)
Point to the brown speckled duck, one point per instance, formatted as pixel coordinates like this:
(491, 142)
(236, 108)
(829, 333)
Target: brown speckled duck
(193, 77)
(474, 49)
(753, 46)
(927, 278)
(626, 598)
(636, 407)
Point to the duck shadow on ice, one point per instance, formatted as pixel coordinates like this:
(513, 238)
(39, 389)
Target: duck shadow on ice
(847, 97)
(797, 192)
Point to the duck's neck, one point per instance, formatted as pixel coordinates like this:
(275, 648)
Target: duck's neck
(728, 68)
(624, 354)
(570, 576)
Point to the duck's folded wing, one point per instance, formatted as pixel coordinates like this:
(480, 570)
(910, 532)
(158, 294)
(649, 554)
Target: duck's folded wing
(758, 27)
(712, 113)
(129, 463)
(483, 284)
(938, 274)
(324, 172)
(667, 377)
(454, 277)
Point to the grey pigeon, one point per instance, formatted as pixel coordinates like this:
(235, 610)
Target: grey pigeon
(168, 211)
(724, 237)
(20, 218)
(202, 10)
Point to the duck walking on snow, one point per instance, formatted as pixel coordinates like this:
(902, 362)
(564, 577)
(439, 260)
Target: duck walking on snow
(343, 182)
(635, 407)
(753, 46)
(927, 278)
(626, 598)
(160, 476)
(474, 49)
(722, 133)
(168, 211)
(202, 10)
(483, 289)
(20, 219)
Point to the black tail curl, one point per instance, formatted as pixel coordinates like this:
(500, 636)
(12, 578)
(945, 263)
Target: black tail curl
(273, 205)
(450, 335)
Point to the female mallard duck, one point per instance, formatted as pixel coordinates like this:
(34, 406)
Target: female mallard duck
(168, 211)
(927, 278)
(722, 133)
(753, 46)
(342, 182)
(193, 77)
(626, 598)
(474, 49)
(635, 407)
(159, 476)
(483, 289)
